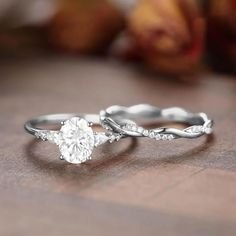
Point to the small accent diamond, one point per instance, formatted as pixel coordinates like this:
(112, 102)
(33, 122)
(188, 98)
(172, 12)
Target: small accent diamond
(41, 134)
(194, 129)
(170, 137)
(100, 138)
(164, 137)
(151, 134)
(140, 130)
(134, 128)
(54, 137)
(145, 132)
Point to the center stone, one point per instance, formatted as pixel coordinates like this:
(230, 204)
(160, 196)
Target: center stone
(77, 140)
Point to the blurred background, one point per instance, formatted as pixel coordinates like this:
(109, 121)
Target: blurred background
(170, 37)
(85, 55)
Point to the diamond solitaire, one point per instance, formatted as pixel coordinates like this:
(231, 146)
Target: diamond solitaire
(76, 138)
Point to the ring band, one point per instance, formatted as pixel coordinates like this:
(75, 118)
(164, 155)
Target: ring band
(122, 119)
(75, 139)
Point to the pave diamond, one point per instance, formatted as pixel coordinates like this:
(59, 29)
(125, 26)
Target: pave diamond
(151, 134)
(194, 129)
(77, 140)
(145, 132)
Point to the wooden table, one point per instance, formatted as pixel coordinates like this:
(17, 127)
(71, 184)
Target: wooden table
(142, 187)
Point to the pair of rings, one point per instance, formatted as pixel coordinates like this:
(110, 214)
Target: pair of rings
(76, 138)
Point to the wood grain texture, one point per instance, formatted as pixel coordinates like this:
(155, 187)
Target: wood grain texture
(134, 187)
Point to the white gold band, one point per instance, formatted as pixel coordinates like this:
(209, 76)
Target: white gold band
(75, 139)
(122, 120)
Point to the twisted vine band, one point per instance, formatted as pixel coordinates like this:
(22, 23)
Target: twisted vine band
(75, 138)
(122, 120)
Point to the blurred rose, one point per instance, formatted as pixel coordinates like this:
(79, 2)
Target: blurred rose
(168, 34)
(222, 31)
(85, 26)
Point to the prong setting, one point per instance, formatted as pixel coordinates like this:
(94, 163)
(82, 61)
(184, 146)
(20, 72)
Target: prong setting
(77, 140)
(90, 124)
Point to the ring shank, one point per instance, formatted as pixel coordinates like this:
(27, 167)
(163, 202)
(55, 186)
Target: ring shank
(116, 117)
(144, 113)
(31, 126)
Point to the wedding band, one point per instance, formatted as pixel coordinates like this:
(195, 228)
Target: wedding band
(76, 138)
(122, 120)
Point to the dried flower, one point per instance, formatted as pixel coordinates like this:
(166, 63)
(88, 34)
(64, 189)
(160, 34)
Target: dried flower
(169, 34)
(222, 32)
(85, 26)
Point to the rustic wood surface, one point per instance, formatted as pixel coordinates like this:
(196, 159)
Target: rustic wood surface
(134, 187)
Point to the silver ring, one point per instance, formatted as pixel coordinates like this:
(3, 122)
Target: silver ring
(75, 138)
(122, 120)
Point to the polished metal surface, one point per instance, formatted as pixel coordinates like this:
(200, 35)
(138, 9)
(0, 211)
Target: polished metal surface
(124, 120)
(75, 138)
(31, 126)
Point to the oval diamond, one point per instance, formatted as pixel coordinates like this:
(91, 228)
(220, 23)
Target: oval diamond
(77, 140)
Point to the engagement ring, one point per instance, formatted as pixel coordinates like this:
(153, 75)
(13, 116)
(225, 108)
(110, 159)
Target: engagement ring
(76, 138)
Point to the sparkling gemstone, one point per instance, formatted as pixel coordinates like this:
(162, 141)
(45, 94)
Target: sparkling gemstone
(134, 128)
(54, 137)
(128, 126)
(208, 130)
(140, 130)
(152, 134)
(145, 132)
(164, 137)
(77, 140)
(100, 138)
